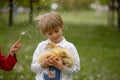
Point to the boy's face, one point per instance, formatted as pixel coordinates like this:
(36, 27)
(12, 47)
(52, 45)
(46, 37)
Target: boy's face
(55, 35)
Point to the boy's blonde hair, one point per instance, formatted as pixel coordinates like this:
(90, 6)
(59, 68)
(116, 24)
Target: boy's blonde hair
(49, 22)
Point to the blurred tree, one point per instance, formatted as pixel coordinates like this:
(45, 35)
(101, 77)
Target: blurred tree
(31, 11)
(34, 5)
(84, 4)
(118, 11)
(62, 4)
(103, 2)
(29, 4)
(2, 3)
(40, 5)
(67, 4)
(10, 12)
(24, 3)
(111, 12)
(114, 6)
(74, 4)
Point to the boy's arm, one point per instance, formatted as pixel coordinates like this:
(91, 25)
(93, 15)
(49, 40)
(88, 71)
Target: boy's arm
(76, 65)
(35, 65)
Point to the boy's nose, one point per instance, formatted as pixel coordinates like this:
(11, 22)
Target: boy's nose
(54, 35)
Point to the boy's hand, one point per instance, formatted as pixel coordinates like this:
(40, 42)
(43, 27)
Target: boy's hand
(15, 47)
(57, 62)
(47, 62)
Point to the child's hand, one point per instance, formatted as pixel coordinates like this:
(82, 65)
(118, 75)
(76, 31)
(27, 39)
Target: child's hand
(47, 62)
(15, 47)
(57, 62)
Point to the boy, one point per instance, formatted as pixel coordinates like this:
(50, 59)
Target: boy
(51, 26)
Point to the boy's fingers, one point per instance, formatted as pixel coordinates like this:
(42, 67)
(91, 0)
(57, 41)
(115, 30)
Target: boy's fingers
(66, 65)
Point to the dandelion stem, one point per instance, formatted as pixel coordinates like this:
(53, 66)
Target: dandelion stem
(20, 37)
(21, 34)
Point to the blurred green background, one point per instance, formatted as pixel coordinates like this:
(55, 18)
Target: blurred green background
(93, 31)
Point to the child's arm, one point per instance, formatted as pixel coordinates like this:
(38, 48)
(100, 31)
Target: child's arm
(7, 63)
(76, 65)
(37, 66)
(15, 48)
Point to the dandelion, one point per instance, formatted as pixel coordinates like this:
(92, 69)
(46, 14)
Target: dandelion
(21, 34)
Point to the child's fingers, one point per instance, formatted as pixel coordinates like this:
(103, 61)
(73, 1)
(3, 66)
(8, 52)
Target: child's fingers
(48, 57)
(17, 44)
(66, 65)
(58, 58)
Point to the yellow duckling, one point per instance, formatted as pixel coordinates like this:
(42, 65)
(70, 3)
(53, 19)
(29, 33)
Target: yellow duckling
(56, 51)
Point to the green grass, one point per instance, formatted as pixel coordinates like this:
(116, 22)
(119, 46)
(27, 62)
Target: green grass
(97, 43)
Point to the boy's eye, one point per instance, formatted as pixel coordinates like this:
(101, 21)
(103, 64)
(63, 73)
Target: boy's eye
(49, 33)
(56, 31)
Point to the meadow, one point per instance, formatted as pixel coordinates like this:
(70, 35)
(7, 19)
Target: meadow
(97, 42)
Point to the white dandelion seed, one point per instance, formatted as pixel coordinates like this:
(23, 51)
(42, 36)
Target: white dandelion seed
(21, 34)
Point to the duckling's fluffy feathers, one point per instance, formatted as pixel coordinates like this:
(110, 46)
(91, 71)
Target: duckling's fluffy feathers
(56, 51)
